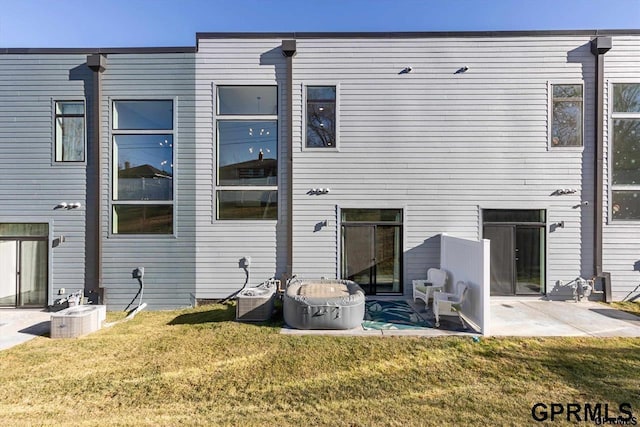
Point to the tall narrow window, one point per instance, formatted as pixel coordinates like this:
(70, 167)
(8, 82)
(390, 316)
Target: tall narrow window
(566, 115)
(143, 147)
(625, 154)
(69, 131)
(321, 116)
(247, 130)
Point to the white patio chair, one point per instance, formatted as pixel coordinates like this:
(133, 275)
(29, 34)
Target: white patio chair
(423, 289)
(446, 303)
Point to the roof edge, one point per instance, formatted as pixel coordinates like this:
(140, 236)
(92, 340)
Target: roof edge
(100, 50)
(417, 34)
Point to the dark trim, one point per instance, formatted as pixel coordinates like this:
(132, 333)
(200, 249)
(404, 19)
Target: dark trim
(413, 34)
(599, 46)
(93, 51)
(97, 63)
(289, 51)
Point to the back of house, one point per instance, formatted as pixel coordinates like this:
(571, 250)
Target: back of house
(337, 155)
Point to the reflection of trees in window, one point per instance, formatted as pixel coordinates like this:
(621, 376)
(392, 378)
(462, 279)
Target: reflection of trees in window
(626, 98)
(321, 116)
(566, 127)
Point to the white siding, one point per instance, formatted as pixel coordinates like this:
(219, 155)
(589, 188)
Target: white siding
(440, 145)
(222, 243)
(443, 145)
(621, 248)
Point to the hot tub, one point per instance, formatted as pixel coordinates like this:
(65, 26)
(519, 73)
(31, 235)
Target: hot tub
(323, 304)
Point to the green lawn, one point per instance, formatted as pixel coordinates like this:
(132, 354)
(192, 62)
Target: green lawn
(197, 367)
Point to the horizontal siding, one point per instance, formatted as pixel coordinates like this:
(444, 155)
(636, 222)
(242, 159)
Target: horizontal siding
(31, 185)
(621, 254)
(169, 261)
(221, 244)
(441, 145)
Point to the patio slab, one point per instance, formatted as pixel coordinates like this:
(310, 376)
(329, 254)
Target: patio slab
(535, 317)
(18, 325)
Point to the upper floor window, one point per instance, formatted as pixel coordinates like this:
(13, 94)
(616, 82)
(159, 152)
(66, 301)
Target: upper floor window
(625, 152)
(566, 115)
(143, 147)
(69, 131)
(247, 155)
(321, 117)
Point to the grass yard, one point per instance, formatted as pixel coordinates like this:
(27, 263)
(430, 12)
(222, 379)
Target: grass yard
(197, 367)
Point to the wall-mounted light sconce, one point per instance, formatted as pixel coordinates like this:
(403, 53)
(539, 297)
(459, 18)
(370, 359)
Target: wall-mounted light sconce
(318, 191)
(554, 226)
(462, 69)
(65, 205)
(562, 191)
(57, 241)
(406, 70)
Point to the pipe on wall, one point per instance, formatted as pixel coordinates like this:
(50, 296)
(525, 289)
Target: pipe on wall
(289, 51)
(599, 47)
(97, 63)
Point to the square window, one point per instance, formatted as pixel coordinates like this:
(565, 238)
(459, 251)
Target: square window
(566, 116)
(69, 131)
(247, 152)
(321, 117)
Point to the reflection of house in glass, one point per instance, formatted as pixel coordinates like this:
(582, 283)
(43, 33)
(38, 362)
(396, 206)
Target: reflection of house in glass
(251, 172)
(144, 182)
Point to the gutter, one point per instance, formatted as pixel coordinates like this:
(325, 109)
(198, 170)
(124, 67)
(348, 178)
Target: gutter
(97, 63)
(599, 47)
(289, 50)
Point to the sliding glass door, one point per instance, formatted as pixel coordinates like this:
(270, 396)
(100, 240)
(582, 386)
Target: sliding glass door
(372, 249)
(23, 265)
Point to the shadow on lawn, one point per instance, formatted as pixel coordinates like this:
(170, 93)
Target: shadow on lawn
(220, 313)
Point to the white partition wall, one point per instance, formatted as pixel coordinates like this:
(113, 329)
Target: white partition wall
(468, 260)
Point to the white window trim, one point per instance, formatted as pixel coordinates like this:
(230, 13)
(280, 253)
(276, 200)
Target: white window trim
(112, 171)
(611, 116)
(54, 147)
(216, 147)
(303, 119)
(550, 84)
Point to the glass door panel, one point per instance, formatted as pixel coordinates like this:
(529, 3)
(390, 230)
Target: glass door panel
(501, 260)
(33, 273)
(358, 255)
(8, 272)
(529, 260)
(387, 269)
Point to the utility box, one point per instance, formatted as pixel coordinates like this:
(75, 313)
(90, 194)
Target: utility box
(256, 304)
(77, 321)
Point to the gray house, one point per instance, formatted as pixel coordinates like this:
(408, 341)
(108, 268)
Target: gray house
(338, 155)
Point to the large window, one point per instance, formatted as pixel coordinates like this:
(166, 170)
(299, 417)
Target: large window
(321, 117)
(625, 153)
(566, 115)
(142, 187)
(247, 160)
(69, 131)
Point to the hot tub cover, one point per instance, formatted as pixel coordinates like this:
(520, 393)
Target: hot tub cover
(323, 304)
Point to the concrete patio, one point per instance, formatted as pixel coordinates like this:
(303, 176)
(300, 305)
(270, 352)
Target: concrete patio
(19, 325)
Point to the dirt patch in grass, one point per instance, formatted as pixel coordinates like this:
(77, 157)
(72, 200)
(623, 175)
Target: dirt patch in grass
(198, 367)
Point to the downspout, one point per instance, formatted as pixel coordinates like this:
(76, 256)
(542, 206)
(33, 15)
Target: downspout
(600, 46)
(289, 50)
(97, 63)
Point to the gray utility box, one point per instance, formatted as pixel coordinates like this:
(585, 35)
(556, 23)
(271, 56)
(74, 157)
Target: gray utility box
(256, 304)
(77, 321)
